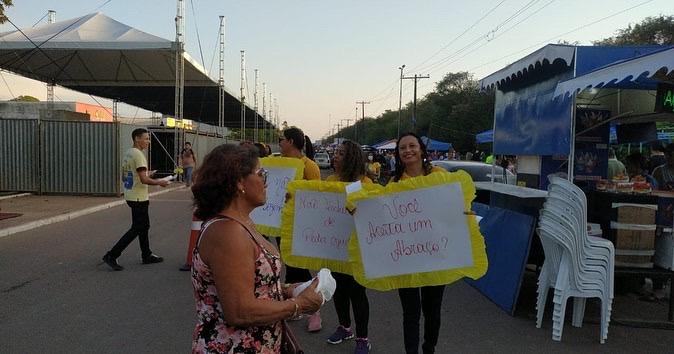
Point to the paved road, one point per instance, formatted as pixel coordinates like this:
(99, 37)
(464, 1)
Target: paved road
(55, 297)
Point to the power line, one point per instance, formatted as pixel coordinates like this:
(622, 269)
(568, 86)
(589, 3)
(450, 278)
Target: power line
(459, 36)
(6, 84)
(40, 20)
(196, 29)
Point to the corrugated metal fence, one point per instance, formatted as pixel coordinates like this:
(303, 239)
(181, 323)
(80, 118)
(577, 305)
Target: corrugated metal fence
(71, 157)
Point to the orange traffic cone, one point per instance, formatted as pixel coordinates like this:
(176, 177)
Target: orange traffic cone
(194, 234)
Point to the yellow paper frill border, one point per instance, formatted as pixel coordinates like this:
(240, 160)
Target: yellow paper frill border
(480, 263)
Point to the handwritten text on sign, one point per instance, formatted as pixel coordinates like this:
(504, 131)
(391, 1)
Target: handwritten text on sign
(277, 185)
(322, 226)
(417, 231)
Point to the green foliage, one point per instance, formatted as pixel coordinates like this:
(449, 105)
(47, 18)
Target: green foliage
(25, 98)
(652, 30)
(4, 4)
(454, 112)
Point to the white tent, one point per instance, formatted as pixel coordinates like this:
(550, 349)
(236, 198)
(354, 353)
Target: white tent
(97, 55)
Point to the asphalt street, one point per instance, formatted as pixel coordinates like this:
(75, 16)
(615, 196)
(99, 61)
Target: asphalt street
(57, 297)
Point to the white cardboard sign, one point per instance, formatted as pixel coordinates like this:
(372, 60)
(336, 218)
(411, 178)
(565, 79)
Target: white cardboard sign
(322, 225)
(416, 231)
(277, 185)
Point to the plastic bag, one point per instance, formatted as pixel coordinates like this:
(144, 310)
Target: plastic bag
(326, 285)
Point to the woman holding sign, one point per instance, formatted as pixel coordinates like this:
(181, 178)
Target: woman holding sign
(411, 160)
(350, 167)
(236, 273)
(291, 142)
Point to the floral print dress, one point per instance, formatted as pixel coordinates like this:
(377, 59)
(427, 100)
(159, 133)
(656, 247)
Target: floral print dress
(212, 334)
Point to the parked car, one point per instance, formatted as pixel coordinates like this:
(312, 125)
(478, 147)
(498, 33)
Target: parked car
(322, 159)
(479, 171)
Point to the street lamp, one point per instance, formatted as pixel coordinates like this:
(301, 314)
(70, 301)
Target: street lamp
(400, 100)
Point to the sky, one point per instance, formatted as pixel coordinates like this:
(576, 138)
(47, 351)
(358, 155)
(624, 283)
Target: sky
(318, 58)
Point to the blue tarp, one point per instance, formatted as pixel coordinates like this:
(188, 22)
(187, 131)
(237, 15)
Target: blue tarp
(435, 145)
(485, 137)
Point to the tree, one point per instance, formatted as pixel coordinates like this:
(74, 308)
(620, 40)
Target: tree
(25, 98)
(4, 4)
(652, 30)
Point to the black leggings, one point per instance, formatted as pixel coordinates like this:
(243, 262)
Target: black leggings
(349, 293)
(415, 300)
(295, 275)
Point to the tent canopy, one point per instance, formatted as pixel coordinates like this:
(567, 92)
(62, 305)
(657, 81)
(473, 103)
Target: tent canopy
(435, 145)
(97, 55)
(643, 71)
(486, 136)
(385, 143)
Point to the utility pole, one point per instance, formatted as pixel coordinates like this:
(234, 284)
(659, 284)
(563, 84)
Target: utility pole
(256, 137)
(221, 77)
(414, 109)
(347, 122)
(362, 111)
(400, 100)
(180, 79)
(270, 116)
(243, 95)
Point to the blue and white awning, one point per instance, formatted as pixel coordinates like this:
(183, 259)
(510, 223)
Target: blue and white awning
(623, 74)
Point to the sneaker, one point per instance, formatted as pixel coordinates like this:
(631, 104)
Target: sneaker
(153, 258)
(185, 268)
(314, 322)
(341, 334)
(112, 262)
(363, 346)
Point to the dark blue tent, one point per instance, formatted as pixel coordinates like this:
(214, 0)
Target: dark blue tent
(486, 136)
(435, 145)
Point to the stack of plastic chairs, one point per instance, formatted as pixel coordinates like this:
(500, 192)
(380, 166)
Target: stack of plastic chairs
(576, 265)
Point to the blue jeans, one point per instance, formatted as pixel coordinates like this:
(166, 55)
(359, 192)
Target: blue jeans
(188, 174)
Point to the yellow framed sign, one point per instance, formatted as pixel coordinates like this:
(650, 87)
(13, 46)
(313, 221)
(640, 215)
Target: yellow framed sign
(316, 226)
(282, 170)
(417, 232)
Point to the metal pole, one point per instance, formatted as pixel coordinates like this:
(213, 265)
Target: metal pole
(180, 77)
(400, 100)
(243, 96)
(221, 79)
(51, 18)
(255, 132)
(264, 115)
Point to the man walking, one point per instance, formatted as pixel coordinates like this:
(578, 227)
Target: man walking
(136, 178)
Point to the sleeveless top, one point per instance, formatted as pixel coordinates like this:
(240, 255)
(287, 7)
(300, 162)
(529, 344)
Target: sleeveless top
(212, 333)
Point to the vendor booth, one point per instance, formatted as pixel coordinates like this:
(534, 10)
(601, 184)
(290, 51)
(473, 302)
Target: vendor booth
(554, 109)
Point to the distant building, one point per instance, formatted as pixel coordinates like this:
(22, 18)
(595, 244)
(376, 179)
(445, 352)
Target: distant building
(61, 111)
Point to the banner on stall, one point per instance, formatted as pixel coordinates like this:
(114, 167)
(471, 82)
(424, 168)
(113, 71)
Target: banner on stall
(417, 232)
(282, 170)
(316, 226)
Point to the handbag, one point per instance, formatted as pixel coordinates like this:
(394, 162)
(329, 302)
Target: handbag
(289, 343)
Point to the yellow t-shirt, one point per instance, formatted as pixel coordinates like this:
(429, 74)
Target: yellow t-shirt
(335, 178)
(374, 168)
(134, 189)
(311, 170)
(433, 170)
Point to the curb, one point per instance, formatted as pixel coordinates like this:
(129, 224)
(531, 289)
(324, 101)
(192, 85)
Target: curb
(72, 215)
(15, 196)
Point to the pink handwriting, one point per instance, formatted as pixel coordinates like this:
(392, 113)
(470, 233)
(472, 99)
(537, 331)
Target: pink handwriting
(315, 237)
(308, 203)
(420, 225)
(401, 249)
(378, 232)
(335, 206)
(399, 210)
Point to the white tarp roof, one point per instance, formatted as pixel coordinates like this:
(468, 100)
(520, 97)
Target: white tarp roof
(546, 55)
(650, 66)
(98, 55)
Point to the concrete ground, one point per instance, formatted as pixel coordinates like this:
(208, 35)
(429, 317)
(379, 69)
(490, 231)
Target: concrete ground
(56, 297)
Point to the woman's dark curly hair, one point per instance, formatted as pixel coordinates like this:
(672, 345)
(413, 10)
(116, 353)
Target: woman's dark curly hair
(400, 168)
(353, 163)
(223, 167)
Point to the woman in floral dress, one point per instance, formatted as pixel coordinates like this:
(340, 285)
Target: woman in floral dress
(240, 301)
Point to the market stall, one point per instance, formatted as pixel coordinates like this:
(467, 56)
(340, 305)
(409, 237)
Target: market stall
(554, 109)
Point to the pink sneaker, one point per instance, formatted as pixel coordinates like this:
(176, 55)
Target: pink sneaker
(314, 323)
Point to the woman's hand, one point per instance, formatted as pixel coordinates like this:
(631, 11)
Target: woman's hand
(288, 290)
(309, 300)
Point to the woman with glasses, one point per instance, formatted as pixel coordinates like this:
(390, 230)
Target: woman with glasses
(292, 142)
(236, 273)
(412, 161)
(350, 167)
